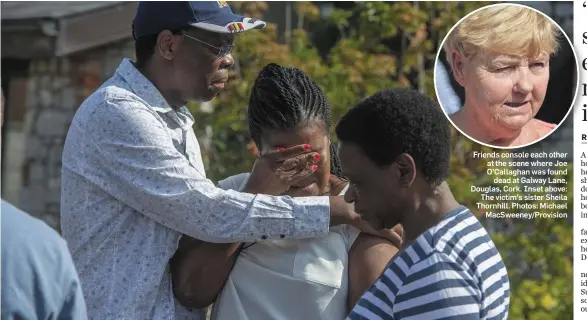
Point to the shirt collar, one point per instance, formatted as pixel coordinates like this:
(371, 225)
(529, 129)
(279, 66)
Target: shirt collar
(142, 87)
(145, 89)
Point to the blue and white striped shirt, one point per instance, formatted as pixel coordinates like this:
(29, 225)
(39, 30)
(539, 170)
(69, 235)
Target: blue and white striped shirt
(451, 271)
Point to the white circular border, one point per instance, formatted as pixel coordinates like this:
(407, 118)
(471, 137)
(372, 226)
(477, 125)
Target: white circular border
(576, 76)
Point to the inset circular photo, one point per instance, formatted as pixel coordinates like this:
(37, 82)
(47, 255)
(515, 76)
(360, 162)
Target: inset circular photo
(506, 76)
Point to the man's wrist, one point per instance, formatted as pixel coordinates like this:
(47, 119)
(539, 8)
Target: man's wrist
(340, 212)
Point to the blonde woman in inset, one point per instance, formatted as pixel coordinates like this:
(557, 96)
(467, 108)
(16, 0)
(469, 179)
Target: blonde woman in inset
(500, 55)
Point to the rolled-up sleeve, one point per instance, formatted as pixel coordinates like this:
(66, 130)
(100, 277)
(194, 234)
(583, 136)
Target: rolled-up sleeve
(130, 154)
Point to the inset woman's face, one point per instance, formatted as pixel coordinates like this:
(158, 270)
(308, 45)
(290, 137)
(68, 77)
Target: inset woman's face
(315, 135)
(504, 91)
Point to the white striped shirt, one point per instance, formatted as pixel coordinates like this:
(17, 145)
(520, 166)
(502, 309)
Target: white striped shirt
(452, 271)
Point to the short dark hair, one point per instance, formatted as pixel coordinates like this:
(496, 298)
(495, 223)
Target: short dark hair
(145, 48)
(286, 99)
(396, 121)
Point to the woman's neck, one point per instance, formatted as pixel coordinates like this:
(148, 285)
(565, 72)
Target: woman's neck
(482, 130)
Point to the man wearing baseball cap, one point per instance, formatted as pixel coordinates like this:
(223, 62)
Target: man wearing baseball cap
(133, 180)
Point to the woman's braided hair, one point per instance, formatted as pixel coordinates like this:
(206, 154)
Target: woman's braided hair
(286, 99)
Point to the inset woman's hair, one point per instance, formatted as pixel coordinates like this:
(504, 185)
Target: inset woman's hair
(287, 99)
(506, 29)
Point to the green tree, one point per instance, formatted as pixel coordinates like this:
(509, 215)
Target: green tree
(383, 45)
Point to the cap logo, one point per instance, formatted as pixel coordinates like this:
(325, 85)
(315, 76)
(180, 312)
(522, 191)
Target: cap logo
(235, 27)
(222, 4)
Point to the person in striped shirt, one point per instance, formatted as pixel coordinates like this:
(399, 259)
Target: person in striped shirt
(448, 268)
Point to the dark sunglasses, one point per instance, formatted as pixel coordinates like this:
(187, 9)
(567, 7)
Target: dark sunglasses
(220, 51)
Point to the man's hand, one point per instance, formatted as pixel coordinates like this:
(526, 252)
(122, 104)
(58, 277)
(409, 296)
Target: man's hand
(342, 212)
(395, 235)
(275, 171)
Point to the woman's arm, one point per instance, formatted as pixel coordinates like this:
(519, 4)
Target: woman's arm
(368, 257)
(199, 270)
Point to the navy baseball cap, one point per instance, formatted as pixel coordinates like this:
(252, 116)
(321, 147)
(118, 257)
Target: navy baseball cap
(153, 17)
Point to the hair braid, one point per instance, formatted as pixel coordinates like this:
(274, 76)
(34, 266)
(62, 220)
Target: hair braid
(335, 167)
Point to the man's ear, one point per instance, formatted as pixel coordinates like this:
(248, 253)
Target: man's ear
(406, 168)
(168, 44)
(458, 67)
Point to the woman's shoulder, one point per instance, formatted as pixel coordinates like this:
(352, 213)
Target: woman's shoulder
(545, 124)
(542, 127)
(235, 182)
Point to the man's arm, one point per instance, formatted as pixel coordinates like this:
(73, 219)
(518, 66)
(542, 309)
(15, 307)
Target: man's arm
(74, 304)
(433, 288)
(132, 157)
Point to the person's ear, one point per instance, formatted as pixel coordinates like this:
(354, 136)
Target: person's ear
(458, 67)
(168, 44)
(406, 168)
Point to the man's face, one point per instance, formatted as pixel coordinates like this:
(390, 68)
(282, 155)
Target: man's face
(201, 71)
(375, 191)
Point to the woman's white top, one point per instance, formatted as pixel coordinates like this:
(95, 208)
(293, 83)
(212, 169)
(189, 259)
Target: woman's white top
(288, 279)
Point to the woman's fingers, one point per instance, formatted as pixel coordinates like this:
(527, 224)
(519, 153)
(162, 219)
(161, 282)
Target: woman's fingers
(296, 170)
(283, 154)
(299, 162)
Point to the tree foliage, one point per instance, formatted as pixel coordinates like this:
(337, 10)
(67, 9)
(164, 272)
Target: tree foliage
(351, 53)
